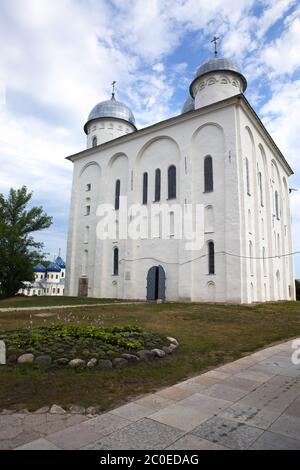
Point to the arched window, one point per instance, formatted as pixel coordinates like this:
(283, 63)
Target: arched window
(117, 195)
(145, 188)
(94, 144)
(260, 189)
(208, 175)
(157, 184)
(116, 261)
(277, 205)
(172, 182)
(248, 177)
(211, 258)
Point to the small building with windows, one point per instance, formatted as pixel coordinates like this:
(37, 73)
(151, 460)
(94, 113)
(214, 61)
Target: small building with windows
(48, 281)
(217, 154)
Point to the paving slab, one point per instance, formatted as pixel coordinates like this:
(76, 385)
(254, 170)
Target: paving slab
(39, 444)
(272, 441)
(145, 434)
(287, 425)
(181, 417)
(132, 411)
(191, 442)
(228, 433)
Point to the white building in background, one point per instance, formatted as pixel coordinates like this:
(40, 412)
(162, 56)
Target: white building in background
(216, 153)
(49, 280)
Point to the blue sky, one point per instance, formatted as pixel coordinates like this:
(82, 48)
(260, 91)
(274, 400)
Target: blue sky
(58, 58)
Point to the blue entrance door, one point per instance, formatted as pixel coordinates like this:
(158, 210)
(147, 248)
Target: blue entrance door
(156, 283)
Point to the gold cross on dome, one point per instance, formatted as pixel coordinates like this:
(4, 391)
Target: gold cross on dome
(215, 39)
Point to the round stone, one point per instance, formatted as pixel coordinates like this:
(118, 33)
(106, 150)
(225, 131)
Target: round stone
(158, 352)
(77, 409)
(145, 355)
(57, 410)
(76, 363)
(26, 358)
(172, 340)
(131, 358)
(43, 360)
(119, 362)
(92, 362)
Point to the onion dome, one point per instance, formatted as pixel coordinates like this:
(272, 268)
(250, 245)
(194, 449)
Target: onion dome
(111, 109)
(60, 262)
(219, 65)
(53, 268)
(188, 105)
(39, 268)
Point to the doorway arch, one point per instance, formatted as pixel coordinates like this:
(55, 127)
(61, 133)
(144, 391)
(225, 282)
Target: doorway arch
(156, 283)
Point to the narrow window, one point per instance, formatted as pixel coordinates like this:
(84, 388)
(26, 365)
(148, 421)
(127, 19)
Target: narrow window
(172, 224)
(211, 258)
(172, 182)
(251, 258)
(264, 261)
(117, 195)
(87, 210)
(277, 205)
(208, 175)
(260, 189)
(157, 184)
(248, 177)
(145, 188)
(94, 141)
(88, 187)
(116, 262)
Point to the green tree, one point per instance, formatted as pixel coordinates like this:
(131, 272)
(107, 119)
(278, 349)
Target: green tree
(19, 252)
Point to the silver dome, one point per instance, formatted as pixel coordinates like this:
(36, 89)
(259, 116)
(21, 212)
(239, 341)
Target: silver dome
(188, 105)
(217, 64)
(111, 109)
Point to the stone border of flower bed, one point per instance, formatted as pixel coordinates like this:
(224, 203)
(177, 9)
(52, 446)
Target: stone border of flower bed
(124, 360)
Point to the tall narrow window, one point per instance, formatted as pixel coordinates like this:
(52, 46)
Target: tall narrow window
(116, 261)
(211, 258)
(87, 210)
(264, 261)
(157, 184)
(172, 224)
(94, 141)
(251, 258)
(277, 205)
(260, 189)
(172, 182)
(145, 188)
(248, 177)
(117, 195)
(208, 175)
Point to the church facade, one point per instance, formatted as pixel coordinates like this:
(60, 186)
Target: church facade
(216, 154)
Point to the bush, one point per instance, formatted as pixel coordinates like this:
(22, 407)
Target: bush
(297, 290)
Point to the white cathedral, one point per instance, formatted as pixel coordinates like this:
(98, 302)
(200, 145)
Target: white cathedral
(216, 153)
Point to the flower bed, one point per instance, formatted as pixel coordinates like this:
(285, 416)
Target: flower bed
(85, 345)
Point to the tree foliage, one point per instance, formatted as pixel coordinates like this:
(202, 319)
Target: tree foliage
(19, 252)
(297, 290)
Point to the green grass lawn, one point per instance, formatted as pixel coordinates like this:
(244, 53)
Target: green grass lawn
(209, 335)
(48, 301)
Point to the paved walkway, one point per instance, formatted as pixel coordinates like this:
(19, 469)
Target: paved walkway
(252, 403)
(51, 307)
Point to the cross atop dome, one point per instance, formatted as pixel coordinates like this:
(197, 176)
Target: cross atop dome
(215, 39)
(113, 89)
